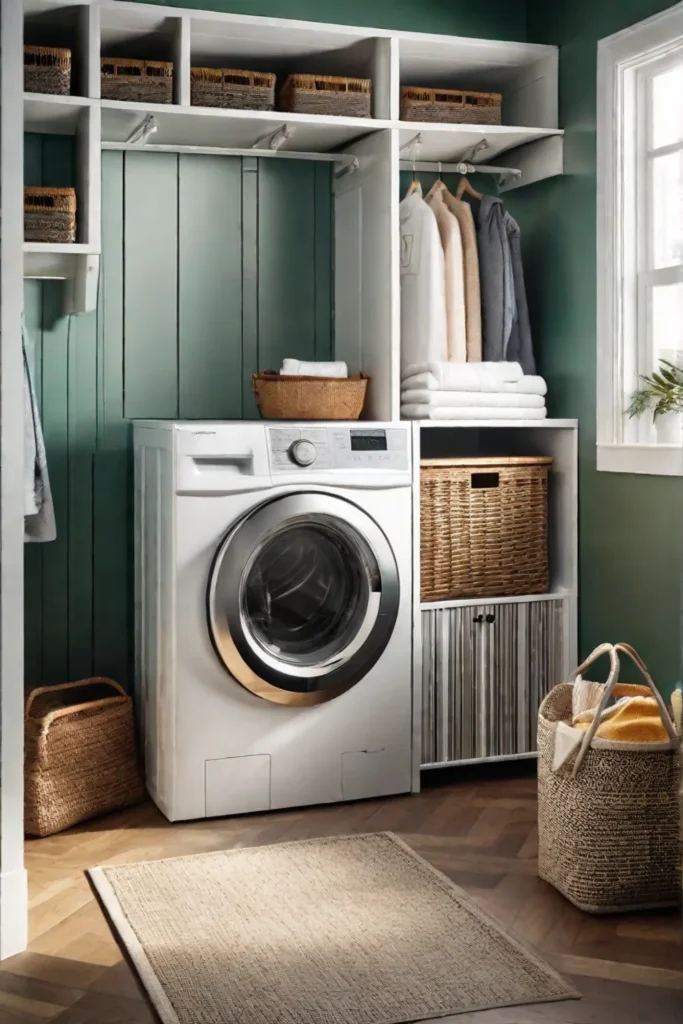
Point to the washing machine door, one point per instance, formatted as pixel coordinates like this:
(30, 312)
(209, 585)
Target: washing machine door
(303, 598)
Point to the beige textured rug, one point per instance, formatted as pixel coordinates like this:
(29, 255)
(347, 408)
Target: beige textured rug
(350, 930)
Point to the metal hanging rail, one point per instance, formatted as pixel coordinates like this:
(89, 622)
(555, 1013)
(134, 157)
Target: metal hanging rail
(462, 166)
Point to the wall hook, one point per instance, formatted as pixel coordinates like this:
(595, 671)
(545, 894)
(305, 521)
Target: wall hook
(140, 135)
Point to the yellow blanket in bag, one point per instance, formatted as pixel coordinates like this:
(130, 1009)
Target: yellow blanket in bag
(634, 718)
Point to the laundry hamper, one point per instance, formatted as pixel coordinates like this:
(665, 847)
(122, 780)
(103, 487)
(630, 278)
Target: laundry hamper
(80, 758)
(483, 527)
(608, 821)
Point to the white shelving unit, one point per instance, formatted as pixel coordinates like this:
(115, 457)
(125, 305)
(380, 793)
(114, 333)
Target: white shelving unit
(457, 673)
(367, 234)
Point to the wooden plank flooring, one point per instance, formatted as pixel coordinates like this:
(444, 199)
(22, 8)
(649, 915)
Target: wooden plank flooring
(481, 833)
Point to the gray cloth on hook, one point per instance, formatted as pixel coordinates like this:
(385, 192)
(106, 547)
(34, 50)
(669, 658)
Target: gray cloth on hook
(505, 316)
(39, 513)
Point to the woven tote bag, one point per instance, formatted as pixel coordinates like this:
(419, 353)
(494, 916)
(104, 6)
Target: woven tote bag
(608, 819)
(80, 758)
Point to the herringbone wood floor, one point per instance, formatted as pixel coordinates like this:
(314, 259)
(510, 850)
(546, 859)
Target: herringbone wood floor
(481, 833)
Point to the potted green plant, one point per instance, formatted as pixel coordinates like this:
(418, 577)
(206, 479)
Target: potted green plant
(662, 395)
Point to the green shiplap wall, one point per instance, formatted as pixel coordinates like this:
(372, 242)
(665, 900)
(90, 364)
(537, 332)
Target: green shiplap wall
(488, 19)
(212, 267)
(631, 527)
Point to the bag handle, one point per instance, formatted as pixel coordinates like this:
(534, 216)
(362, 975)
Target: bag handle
(597, 653)
(612, 681)
(73, 709)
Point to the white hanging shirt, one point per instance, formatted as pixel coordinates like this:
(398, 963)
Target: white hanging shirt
(451, 241)
(423, 284)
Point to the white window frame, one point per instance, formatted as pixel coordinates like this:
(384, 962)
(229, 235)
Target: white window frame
(625, 63)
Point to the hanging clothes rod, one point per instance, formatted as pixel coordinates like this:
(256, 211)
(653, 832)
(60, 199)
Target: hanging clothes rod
(346, 161)
(460, 168)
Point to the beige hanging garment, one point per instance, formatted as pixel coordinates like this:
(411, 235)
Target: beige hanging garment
(449, 230)
(468, 233)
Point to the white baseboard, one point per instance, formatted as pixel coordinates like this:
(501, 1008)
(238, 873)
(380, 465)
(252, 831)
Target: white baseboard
(13, 912)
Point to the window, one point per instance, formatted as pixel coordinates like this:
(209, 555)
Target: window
(640, 237)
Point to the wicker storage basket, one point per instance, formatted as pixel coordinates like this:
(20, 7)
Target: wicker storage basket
(47, 69)
(238, 90)
(309, 398)
(450, 106)
(49, 214)
(143, 81)
(483, 527)
(608, 824)
(80, 758)
(326, 94)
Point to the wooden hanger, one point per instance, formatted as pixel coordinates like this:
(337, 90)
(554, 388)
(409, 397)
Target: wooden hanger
(464, 186)
(414, 186)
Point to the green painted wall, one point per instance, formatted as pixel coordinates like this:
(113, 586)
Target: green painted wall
(631, 533)
(212, 267)
(488, 19)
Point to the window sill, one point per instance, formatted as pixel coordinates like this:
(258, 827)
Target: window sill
(647, 459)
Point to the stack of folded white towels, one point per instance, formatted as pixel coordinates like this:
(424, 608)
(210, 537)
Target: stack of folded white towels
(471, 391)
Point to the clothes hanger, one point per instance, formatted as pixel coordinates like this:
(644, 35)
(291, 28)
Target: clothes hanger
(415, 184)
(465, 187)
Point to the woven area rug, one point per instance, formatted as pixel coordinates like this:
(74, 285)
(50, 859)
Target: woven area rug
(350, 930)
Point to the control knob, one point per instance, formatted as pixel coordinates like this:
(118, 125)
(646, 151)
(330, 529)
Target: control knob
(303, 452)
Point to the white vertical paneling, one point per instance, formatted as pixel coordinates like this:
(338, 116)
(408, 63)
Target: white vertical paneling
(89, 177)
(89, 38)
(367, 278)
(385, 79)
(13, 890)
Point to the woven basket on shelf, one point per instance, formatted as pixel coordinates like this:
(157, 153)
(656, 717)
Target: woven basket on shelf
(237, 90)
(144, 81)
(326, 94)
(47, 69)
(450, 106)
(608, 820)
(80, 758)
(281, 397)
(49, 214)
(483, 527)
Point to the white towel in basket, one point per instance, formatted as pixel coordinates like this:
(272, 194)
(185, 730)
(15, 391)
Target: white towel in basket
(301, 368)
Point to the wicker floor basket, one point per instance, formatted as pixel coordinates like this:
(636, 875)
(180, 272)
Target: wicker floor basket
(309, 398)
(236, 90)
(608, 818)
(47, 69)
(327, 94)
(483, 527)
(49, 214)
(143, 81)
(80, 758)
(450, 106)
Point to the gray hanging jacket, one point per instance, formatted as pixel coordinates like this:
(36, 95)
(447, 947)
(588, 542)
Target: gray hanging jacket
(505, 315)
(39, 513)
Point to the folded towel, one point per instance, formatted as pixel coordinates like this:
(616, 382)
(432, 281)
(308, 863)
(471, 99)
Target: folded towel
(414, 411)
(301, 368)
(471, 399)
(465, 376)
(528, 385)
(39, 513)
(631, 719)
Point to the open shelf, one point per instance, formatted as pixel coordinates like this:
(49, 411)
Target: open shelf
(451, 142)
(57, 115)
(474, 602)
(55, 260)
(238, 129)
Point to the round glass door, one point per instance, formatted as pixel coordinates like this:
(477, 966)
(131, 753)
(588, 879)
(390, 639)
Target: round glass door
(303, 598)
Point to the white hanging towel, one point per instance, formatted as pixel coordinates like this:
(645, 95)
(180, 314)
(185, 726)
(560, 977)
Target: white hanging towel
(454, 276)
(39, 513)
(423, 284)
(301, 368)
(460, 377)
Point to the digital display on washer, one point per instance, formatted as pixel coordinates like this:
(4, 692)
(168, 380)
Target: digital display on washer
(368, 440)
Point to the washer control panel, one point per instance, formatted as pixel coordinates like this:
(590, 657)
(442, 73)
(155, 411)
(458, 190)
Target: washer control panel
(345, 448)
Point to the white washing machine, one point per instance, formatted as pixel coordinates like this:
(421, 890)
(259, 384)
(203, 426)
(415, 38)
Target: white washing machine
(273, 613)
